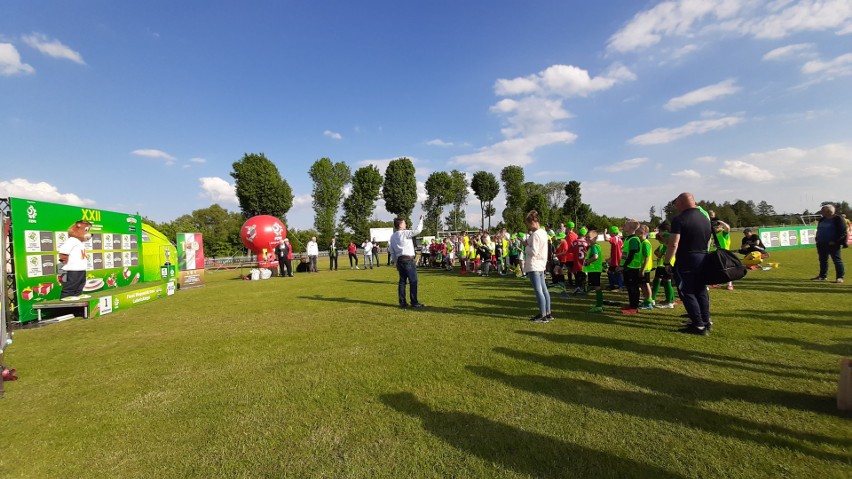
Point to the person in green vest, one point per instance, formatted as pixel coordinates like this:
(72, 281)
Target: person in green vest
(631, 265)
(661, 276)
(646, 251)
(593, 268)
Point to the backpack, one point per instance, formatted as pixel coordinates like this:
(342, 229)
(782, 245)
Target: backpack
(721, 266)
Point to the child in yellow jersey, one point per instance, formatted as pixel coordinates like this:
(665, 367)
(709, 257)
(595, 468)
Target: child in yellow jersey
(646, 252)
(631, 265)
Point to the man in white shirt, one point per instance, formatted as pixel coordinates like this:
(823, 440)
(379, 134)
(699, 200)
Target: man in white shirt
(313, 252)
(368, 254)
(401, 248)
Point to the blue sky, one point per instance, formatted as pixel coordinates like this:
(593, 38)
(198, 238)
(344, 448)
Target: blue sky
(144, 106)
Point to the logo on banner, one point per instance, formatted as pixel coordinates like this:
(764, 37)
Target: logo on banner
(32, 213)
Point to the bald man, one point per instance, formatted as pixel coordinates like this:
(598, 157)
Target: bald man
(688, 241)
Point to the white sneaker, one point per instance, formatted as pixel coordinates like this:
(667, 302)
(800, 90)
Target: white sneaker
(665, 306)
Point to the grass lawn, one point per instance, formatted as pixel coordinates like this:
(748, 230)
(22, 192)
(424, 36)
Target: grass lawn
(322, 376)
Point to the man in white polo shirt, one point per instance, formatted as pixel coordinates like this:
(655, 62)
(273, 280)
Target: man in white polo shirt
(401, 248)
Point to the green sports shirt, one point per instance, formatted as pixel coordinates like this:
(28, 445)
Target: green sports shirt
(595, 266)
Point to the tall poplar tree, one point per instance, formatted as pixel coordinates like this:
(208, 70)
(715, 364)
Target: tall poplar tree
(516, 198)
(329, 179)
(358, 207)
(400, 188)
(485, 187)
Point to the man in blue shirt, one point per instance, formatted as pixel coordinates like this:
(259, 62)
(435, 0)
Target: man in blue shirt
(401, 249)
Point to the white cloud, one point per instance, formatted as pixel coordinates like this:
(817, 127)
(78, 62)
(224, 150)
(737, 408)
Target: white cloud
(530, 115)
(668, 135)
(333, 135)
(302, 200)
(705, 159)
(53, 48)
(218, 190)
(686, 19)
(702, 95)
(564, 81)
(746, 171)
(197, 160)
(625, 165)
(515, 151)
(158, 154)
(439, 142)
(41, 191)
(804, 15)
(687, 174)
(840, 66)
(797, 50)
(10, 61)
(668, 18)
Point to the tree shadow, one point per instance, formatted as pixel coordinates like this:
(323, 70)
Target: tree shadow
(838, 349)
(687, 388)
(800, 287)
(662, 408)
(524, 452)
(794, 316)
(370, 281)
(762, 367)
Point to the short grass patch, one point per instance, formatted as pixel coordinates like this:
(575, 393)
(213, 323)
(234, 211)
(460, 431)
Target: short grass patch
(322, 376)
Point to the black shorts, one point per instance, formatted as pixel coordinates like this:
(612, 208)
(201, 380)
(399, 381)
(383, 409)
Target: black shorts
(662, 274)
(594, 279)
(645, 278)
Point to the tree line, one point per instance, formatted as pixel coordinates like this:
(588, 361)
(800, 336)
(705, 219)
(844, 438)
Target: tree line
(261, 190)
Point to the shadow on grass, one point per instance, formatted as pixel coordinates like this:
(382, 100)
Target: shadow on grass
(839, 349)
(794, 316)
(524, 452)
(791, 286)
(488, 312)
(762, 367)
(688, 388)
(370, 281)
(662, 408)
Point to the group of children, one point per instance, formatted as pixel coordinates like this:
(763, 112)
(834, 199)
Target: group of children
(576, 264)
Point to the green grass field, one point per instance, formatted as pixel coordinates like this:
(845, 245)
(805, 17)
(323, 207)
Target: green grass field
(322, 376)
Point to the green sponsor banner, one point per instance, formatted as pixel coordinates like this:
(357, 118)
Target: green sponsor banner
(786, 237)
(39, 229)
(128, 299)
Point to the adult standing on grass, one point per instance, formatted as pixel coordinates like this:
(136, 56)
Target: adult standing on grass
(332, 255)
(535, 264)
(353, 254)
(688, 241)
(830, 237)
(281, 250)
(402, 249)
(376, 252)
(368, 254)
(313, 253)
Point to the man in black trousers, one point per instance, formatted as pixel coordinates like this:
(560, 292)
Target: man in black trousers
(332, 255)
(282, 252)
(688, 242)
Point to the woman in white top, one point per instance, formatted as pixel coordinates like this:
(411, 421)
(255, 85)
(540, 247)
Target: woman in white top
(535, 264)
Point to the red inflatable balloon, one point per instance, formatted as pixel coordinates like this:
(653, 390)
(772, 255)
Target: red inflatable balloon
(262, 233)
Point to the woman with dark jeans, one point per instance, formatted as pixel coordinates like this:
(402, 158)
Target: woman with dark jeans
(830, 237)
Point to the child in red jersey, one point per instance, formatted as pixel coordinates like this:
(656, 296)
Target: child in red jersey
(578, 250)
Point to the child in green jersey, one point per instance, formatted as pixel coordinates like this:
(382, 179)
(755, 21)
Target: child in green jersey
(661, 276)
(646, 252)
(721, 240)
(593, 268)
(631, 265)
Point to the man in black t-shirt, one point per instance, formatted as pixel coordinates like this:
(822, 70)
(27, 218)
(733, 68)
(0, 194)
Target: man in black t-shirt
(690, 236)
